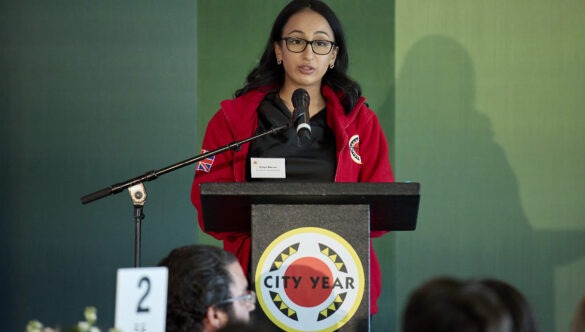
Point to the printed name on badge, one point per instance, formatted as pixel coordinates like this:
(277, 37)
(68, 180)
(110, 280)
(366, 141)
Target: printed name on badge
(268, 168)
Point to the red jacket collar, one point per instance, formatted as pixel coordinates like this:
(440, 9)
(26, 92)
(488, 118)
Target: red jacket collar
(242, 110)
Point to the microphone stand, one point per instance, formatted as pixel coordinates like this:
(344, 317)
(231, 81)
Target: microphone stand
(138, 192)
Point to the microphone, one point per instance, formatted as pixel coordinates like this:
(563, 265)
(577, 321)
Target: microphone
(300, 100)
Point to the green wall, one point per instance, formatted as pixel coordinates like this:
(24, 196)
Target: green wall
(489, 118)
(481, 103)
(92, 93)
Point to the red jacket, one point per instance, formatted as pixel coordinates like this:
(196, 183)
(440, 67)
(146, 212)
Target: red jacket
(365, 161)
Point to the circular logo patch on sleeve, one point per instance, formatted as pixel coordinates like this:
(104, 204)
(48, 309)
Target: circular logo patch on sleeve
(310, 279)
(354, 149)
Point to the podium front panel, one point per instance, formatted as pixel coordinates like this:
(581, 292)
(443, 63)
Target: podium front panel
(310, 265)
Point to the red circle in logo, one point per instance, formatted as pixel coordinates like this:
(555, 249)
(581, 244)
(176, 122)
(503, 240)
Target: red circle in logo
(309, 281)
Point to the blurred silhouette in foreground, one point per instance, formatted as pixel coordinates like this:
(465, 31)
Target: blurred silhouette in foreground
(448, 304)
(207, 289)
(578, 324)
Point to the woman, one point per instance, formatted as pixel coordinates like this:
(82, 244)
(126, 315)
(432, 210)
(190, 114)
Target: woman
(306, 50)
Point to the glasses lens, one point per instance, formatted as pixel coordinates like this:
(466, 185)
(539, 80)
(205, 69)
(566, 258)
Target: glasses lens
(249, 297)
(321, 47)
(296, 45)
(252, 297)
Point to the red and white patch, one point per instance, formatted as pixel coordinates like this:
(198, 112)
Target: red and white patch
(354, 149)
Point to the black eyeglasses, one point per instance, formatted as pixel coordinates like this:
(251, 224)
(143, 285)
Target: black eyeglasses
(249, 298)
(298, 45)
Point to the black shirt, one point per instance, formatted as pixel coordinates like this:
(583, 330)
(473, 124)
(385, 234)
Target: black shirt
(314, 162)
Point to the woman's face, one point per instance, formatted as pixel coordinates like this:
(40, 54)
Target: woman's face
(305, 69)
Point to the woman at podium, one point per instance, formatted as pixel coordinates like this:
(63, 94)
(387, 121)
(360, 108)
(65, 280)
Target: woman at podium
(333, 135)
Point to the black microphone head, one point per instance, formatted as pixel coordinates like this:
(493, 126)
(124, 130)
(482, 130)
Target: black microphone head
(300, 98)
(300, 101)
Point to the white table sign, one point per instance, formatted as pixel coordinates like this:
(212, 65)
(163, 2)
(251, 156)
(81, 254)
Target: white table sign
(141, 299)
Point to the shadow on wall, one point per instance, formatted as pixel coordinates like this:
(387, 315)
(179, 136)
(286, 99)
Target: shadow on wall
(471, 221)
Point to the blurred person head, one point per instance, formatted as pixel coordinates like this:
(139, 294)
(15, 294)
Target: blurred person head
(447, 304)
(516, 304)
(578, 323)
(207, 289)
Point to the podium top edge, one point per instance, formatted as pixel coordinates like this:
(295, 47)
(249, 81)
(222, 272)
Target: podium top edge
(311, 188)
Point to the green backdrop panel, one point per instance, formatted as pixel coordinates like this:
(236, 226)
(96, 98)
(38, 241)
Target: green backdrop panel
(92, 93)
(488, 115)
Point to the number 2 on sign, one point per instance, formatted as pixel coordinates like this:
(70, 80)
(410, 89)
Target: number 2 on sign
(141, 299)
(140, 308)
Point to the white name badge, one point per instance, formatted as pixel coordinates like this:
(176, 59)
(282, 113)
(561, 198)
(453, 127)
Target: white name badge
(141, 299)
(268, 168)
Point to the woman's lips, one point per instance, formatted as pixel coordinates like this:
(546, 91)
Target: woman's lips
(306, 69)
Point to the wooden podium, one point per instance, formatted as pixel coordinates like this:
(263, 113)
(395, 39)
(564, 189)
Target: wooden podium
(311, 244)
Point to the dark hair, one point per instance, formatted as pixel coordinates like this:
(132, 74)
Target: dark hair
(446, 304)
(578, 323)
(519, 308)
(269, 74)
(198, 278)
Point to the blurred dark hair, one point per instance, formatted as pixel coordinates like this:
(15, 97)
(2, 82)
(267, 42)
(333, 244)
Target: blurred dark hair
(198, 278)
(578, 323)
(446, 304)
(515, 302)
(269, 74)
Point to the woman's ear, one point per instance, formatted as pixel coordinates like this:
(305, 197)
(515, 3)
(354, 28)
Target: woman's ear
(334, 55)
(278, 52)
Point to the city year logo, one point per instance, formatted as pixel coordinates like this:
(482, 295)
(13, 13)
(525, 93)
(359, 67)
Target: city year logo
(310, 279)
(354, 149)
